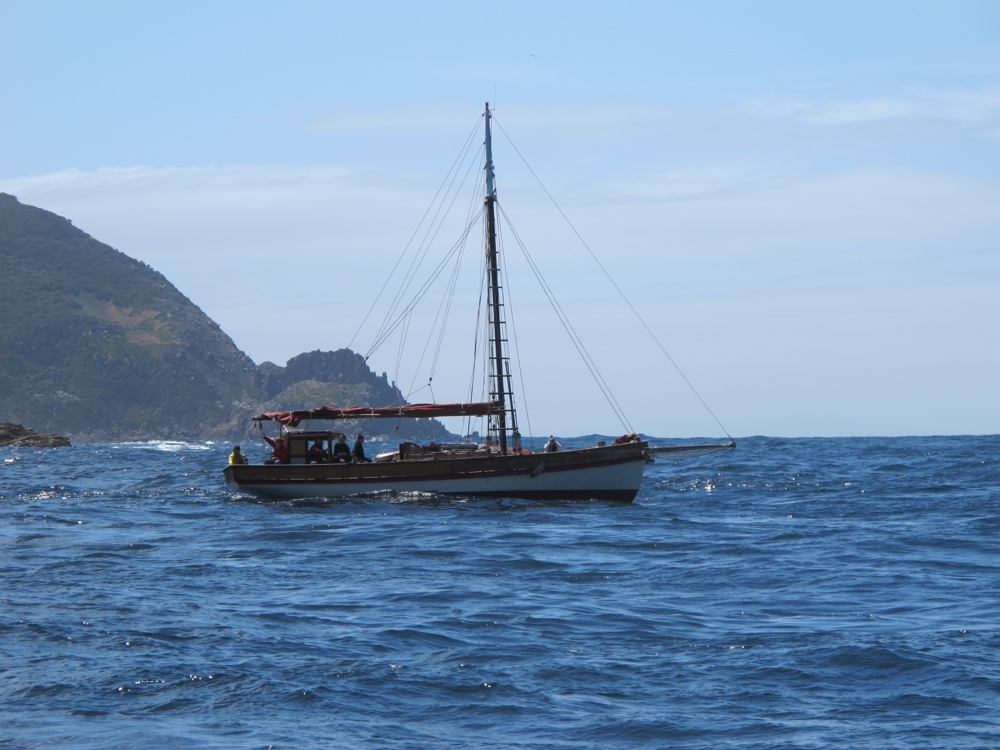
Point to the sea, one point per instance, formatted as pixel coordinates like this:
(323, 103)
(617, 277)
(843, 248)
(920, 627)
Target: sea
(790, 593)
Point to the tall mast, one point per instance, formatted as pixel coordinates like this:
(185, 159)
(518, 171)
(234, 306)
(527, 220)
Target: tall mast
(501, 368)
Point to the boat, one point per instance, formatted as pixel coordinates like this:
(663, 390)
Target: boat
(498, 467)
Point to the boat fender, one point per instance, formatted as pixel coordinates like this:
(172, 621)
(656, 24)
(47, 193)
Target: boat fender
(539, 469)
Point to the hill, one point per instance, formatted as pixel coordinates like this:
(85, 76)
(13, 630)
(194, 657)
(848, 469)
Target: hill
(341, 378)
(99, 346)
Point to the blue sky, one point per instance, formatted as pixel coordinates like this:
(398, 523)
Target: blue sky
(802, 199)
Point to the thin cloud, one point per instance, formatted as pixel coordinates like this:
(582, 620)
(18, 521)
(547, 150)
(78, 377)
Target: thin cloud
(425, 117)
(968, 106)
(621, 118)
(569, 118)
(177, 178)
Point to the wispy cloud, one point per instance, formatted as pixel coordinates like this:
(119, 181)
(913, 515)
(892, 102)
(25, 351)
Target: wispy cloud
(176, 178)
(970, 106)
(973, 105)
(443, 115)
(602, 116)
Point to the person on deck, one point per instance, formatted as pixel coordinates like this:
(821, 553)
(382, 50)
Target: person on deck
(236, 457)
(341, 453)
(316, 454)
(359, 451)
(279, 450)
(552, 446)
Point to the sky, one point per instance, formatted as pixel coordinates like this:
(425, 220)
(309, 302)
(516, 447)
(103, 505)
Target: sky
(801, 200)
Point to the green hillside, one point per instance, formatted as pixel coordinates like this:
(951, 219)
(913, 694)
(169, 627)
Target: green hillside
(342, 378)
(98, 346)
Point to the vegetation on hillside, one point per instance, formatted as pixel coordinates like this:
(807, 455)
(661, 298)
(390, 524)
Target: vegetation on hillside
(99, 346)
(342, 378)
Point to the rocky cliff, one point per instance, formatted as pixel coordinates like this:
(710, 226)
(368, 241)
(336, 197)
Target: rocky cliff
(342, 378)
(99, 346)
(19, 436)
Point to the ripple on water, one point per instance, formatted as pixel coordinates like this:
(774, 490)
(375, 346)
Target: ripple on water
(796, 593)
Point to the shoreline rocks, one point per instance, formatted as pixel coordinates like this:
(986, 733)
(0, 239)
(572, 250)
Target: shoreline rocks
(20, 436)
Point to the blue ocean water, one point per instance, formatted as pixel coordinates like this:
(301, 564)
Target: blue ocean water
(793, 593)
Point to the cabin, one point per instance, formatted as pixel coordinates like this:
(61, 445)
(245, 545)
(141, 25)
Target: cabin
(299, 444)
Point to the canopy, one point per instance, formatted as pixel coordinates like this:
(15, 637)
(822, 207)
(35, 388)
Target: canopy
(425, 411)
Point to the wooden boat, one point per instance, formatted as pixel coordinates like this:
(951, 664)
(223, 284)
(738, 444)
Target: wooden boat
(499, 467)
(612, 472)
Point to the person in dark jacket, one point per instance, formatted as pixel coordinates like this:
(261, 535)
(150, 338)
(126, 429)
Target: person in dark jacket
(341, 452)
(316, 454)
(359, 451)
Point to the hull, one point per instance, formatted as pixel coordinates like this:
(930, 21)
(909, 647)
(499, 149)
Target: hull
(605, 473)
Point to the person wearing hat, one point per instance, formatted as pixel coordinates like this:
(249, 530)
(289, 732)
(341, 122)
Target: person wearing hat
(236, 457)
(552, 446)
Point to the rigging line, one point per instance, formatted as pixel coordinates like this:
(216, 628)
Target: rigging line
(420, 293)
(486, 387)
(615, 285)
(570, 330)
(576, 340)
(500, 367)
(417, 390)
(431, 234)
(447, 314)
(402, 346)
(493, 365)
(453, 171)
(444, 305)
(472, 212)
(477, 334)
(461, 152)
(505, 305)
(513, 327)
(383, 332)
(505, 301)
(442, 314)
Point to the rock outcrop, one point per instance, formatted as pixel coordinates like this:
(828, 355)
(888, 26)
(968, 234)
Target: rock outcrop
(20, 436)
(342, 378)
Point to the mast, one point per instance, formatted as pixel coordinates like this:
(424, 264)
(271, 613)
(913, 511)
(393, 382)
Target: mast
(501, 369)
